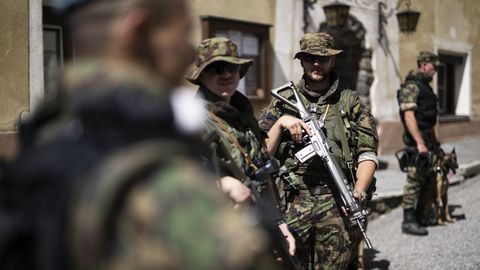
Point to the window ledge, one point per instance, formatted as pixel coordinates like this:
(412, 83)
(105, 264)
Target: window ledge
(450, 118)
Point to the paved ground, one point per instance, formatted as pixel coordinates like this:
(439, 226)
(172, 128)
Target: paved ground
(453, 246)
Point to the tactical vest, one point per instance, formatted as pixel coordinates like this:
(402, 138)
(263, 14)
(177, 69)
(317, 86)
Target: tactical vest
(237, 129)
(339, 103)
(427, 105)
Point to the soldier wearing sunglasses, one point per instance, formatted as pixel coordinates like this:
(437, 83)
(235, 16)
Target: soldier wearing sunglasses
(217, 72)
(325, 238)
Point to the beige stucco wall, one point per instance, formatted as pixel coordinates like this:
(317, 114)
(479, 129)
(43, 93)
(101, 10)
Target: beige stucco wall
(259, 11)
(411, 44)
(457, 22)
(13, 61)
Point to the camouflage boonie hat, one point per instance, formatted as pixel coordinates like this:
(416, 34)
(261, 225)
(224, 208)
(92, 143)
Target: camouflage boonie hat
(213, 50)
(321, 44)
(426, 56)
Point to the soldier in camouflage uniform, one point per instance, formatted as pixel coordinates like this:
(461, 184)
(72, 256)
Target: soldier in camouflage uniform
(314, 214)
(418, 112)
(217, 71)
(106, 178)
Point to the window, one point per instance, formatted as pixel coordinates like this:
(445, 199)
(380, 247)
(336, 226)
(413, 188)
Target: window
(253, 43)
(449, 80)
(57, 46)
(52, 54)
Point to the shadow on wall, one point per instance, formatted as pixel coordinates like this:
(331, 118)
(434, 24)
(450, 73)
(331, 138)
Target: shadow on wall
(385, 45)
(279, 76)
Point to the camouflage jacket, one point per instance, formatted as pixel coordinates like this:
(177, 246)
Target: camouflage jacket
(235, 122)
(97, 206)
(358, 125)
(416, 94)
(148, 210)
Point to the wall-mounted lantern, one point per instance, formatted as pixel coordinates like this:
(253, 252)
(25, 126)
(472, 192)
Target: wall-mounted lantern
(407, 19)
(337, 14)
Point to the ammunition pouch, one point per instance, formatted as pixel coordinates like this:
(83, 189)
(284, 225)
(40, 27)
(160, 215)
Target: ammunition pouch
(262, 175)
(287, 187)
(319, 190)
(406, 157)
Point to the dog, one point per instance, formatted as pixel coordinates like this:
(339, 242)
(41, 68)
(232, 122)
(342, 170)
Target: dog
(446, 162)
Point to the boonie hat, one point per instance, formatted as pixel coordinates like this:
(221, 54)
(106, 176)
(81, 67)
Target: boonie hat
(320, 44)
(217, 49)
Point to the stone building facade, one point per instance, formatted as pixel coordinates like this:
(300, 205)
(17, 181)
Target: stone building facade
(377, 56)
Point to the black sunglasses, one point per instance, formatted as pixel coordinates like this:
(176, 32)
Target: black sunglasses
(310, 58)
(220, 66)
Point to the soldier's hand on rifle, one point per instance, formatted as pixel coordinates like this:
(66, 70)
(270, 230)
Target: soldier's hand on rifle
(289, 238)
(236, 190)
(294, 126)
(359, 194)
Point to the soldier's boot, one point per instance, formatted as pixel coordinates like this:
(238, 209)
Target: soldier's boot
(410, 225)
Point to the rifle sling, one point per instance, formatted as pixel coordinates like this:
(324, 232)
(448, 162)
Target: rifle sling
(347, 154)
(233, 140)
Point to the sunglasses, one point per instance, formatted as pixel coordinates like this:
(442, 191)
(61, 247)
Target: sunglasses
(220, 67)
(316, 59)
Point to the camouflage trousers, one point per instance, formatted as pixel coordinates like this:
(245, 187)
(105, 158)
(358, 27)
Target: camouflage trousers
(419, 189)
(315, 220)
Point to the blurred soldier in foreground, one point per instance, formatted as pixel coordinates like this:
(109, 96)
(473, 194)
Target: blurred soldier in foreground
(106, 178)
(418, 112)
(232, 129)
(314, 213)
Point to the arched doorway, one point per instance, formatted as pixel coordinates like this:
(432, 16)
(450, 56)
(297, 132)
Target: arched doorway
(354, 65)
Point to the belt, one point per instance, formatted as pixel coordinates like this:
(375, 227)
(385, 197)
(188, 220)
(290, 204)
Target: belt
(313, 180)
(317, 190)
(314, 185)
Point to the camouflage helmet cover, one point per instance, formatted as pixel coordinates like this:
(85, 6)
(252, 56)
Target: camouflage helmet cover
(213, 50)
(426, 56)
(321, 44)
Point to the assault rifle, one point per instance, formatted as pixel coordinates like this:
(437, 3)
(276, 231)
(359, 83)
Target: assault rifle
(316, 145)
(264, 207)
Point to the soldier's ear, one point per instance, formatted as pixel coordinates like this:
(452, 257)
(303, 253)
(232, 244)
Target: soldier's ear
(334, 59)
